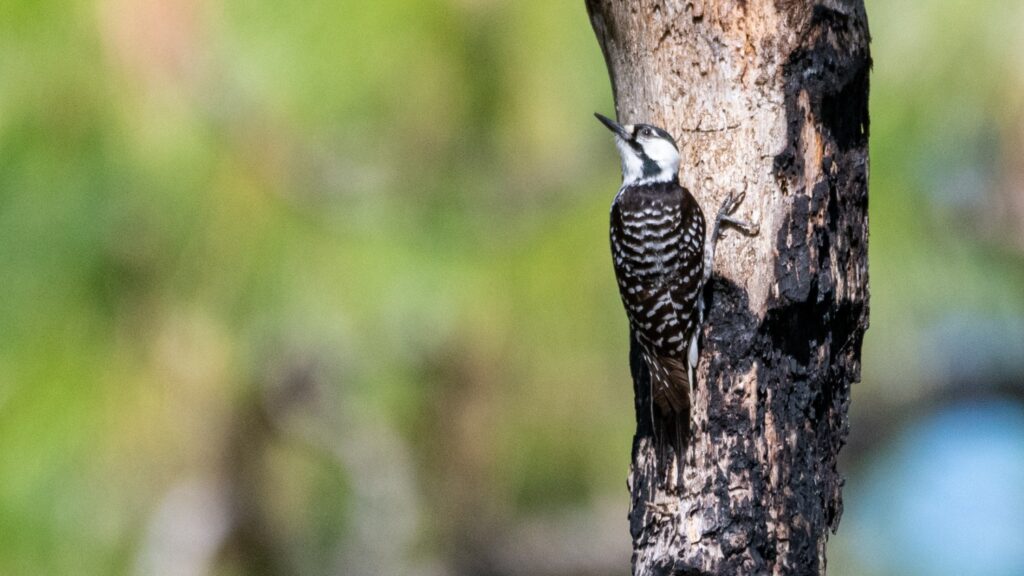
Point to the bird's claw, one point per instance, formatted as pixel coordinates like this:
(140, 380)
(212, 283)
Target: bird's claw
(737, 199)
(732, 202)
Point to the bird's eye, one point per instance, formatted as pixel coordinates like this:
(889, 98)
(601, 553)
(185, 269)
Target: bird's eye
(647, 132)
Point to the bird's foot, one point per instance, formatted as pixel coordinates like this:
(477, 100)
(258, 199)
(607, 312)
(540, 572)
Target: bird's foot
(731, 203)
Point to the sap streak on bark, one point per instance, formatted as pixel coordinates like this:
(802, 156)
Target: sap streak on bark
(770, 97)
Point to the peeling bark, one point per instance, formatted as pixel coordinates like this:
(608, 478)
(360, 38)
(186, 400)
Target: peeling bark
(769, 97)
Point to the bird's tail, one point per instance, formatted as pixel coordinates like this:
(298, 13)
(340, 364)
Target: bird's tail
(671, 391)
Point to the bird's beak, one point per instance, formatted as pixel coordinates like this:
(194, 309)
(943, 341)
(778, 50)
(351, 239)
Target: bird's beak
(613, 126)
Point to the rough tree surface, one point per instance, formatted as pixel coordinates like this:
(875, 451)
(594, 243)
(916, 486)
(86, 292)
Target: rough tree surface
(769, 97)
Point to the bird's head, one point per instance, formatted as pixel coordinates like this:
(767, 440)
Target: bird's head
(649, 154)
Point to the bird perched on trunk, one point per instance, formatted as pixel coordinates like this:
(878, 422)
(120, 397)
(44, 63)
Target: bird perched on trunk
(661, 260)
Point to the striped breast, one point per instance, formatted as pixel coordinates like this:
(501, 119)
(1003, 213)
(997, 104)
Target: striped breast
(657, 240)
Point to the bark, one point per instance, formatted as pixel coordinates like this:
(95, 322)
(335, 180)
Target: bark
(769, 97)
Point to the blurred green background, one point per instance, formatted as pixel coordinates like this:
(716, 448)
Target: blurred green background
(322, 289)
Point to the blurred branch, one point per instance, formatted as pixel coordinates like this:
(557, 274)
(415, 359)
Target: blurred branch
(385, 509)
(294, 407)
(186, 533)
(1007, 210)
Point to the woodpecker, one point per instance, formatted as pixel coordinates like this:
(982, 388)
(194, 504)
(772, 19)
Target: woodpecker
(661, 261)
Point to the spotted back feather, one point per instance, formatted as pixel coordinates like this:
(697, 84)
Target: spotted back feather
(657, 240)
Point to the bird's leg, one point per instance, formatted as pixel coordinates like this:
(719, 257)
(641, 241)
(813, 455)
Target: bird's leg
(724, 216)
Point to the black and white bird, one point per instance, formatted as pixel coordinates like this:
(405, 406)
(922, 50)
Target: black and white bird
(661, 262)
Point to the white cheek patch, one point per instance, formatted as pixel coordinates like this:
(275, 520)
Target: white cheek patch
(662, 152)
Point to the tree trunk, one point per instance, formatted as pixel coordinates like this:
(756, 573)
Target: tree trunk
(769, 97)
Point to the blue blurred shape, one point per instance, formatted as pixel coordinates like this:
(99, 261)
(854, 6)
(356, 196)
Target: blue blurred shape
(947, 497)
